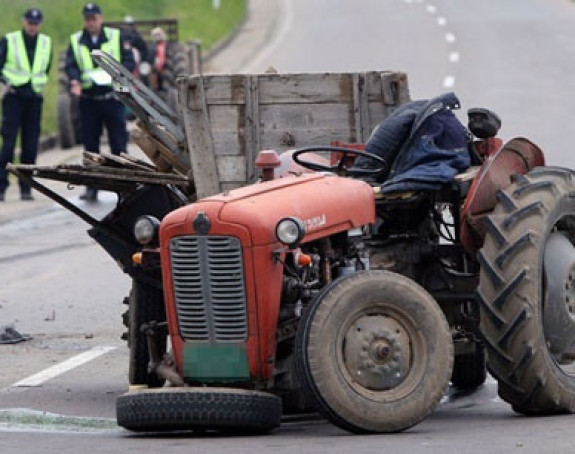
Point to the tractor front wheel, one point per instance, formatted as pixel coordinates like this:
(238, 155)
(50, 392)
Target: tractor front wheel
(221, 409)
(145, 306)
(374, 352)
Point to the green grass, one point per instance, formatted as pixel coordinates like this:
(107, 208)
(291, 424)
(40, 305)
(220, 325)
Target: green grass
(197, 20)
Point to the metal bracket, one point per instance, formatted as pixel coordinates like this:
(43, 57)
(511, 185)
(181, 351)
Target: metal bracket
(143, 102)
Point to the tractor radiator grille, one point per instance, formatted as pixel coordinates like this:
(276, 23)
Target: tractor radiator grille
(209, 289)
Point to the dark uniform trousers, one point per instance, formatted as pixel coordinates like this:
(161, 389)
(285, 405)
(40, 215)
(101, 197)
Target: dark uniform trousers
(96, 112)
(25, 113)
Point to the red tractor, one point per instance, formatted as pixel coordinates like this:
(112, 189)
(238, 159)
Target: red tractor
(319, 288)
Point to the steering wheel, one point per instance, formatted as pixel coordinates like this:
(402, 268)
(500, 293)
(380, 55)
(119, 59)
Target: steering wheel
(340, 168)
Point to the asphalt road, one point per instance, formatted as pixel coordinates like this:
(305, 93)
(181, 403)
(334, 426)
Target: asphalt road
(515, 57)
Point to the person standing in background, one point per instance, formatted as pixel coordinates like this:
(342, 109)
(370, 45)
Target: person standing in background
(99, 105)
(160, 41)
(25, 60)
(134, 40)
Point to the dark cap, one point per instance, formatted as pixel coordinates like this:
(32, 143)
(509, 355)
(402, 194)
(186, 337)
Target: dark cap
(33, 16)
(91, 9)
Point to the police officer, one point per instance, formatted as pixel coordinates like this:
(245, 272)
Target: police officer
(98, 104)
(25, 59)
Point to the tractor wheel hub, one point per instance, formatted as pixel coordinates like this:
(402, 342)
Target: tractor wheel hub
(377, 352)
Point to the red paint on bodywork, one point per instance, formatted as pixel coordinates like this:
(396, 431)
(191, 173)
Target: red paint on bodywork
(518, 156)
(326, 204)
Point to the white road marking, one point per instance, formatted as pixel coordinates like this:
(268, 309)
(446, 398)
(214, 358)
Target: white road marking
(59, 369)
(448, 82)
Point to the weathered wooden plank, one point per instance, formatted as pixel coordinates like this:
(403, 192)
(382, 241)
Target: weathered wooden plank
(276, 88)
(287, 126)
(394, 88)
(121, 161)
(199, 138)
(137, 161)
(232, 168)
(160, 155)
(220, 89)
(254, 145)
(313, 137)
(304, 88)
(195, 55)
(227, 143)
(145, 143)
(361, 89)
(377, 113)
(232, 117)
(105, 176)
(251, 124)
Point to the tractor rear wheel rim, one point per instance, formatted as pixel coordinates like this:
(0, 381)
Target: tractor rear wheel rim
(559, 301)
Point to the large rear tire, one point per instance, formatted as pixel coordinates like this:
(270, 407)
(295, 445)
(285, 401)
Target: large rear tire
(514, 291)
(374, 352)
(220, 409)
(177, 63)
(145, 305)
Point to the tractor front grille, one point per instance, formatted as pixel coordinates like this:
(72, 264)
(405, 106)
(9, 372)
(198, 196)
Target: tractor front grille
(209, 289)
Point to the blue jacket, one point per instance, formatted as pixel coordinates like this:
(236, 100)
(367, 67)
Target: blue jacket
(424, 144)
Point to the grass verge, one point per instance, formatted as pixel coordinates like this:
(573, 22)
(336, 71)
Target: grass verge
(198, 19)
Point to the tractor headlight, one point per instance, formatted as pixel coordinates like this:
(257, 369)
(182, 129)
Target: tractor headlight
(146, 229)
(290, 231)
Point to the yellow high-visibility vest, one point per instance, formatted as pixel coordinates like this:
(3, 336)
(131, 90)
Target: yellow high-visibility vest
(84, 59)
(17, 70)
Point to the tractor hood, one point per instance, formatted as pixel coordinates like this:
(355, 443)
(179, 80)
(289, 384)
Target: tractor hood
(326, 204)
